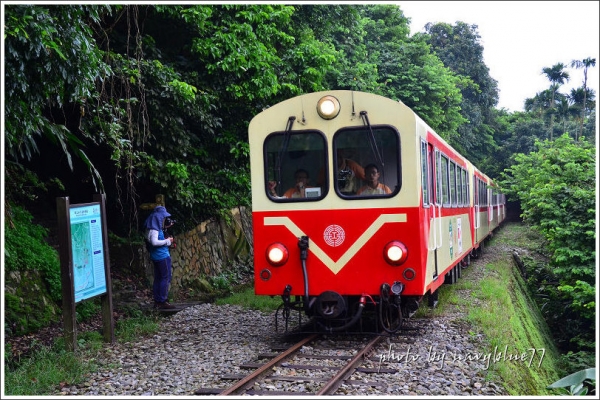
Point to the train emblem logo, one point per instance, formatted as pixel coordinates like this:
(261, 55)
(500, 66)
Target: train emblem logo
(334, 235)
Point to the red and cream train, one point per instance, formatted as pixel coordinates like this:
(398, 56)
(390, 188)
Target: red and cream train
(338, 256)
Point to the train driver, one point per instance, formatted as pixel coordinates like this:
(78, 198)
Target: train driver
(296, 191)
(373, 186)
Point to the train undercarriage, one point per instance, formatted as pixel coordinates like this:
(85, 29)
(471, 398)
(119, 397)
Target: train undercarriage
(331, 312)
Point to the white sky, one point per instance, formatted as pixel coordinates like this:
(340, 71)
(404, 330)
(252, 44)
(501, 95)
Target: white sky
(520, 38)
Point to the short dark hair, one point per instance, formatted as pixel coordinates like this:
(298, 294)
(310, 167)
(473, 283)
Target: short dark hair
(299, 171)
(372, 166)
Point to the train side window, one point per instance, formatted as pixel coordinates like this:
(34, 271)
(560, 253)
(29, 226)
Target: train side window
(293, 161)
(445, 181)
(483, 200)
(438, 177)
(459, 194)
(465, 188)
(452, 184)
(366, 162)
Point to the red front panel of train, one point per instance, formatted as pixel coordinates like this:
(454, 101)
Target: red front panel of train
(345, 251)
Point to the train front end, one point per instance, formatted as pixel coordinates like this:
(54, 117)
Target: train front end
(335, 200)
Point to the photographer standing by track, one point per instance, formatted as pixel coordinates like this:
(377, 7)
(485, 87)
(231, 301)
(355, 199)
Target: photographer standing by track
(158, 246)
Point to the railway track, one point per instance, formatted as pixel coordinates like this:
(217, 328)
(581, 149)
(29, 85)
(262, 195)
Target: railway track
(334, 363)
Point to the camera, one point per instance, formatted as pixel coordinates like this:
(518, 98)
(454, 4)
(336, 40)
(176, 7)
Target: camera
(169, 222)
(344, 175)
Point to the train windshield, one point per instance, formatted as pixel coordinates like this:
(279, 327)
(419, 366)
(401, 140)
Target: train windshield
(367, 162)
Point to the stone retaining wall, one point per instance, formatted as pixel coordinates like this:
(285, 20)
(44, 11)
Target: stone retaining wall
(206, 250)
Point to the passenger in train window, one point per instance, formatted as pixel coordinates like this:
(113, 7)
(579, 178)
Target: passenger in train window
(298, 190)
(373, 186)
(349, 174)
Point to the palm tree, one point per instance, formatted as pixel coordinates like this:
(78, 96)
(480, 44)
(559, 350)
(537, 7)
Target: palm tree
(568, 109)
(576, 98)
(585, 64)
(538, 103)
(557, 76)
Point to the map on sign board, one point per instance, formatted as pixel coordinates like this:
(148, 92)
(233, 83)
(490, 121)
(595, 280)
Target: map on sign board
(89, 277)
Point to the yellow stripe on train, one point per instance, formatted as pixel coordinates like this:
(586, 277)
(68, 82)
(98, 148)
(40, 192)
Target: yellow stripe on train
(336, 266)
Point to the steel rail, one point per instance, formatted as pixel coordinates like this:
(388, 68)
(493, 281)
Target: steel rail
(335, 382)
(243, 383)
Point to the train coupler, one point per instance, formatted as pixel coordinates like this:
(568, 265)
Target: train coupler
(286, 309)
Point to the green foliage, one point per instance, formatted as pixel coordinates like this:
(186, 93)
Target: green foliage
(458, 47)
(39, 375)
(49, 366)
(576, 361)
(237, 273)
(578, 382)
(130, 329)
(23, 186)
(374, 53)
(248, 299)
(237, 44)
(51, 62)
(85, 310)
(220, 282)
(25, 249)
(556, 188)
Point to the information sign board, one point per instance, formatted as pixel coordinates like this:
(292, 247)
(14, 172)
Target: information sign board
(87, 249)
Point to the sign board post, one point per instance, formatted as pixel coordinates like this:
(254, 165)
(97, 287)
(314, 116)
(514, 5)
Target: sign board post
(84, 262)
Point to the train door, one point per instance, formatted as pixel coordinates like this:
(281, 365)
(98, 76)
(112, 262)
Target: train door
(490, 210)
(477, 216)
(492, 216)
(433, 210)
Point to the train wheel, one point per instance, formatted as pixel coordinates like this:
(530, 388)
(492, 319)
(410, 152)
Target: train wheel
(432, 299)
(467, 261)
(451, 277)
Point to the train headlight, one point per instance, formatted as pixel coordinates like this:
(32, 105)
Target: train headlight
(277, 254)
(395, 253)
(328, 107)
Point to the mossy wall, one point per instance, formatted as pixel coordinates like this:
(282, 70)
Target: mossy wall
(531, 333)
(27, 305)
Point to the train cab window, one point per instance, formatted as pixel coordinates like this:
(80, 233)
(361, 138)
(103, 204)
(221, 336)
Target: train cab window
(366, 162)
(293, 163)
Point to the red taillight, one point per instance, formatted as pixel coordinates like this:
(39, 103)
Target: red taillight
(277, 254)
(395, 253)
(265, 274)
(409, 274)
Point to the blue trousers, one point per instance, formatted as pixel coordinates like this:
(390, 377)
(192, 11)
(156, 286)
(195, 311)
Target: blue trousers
(162, 279)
